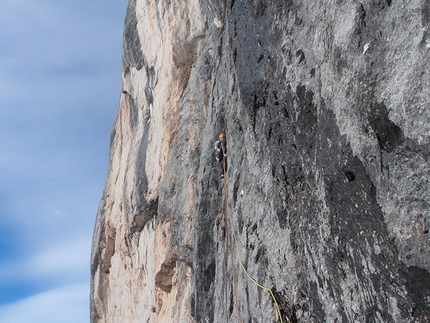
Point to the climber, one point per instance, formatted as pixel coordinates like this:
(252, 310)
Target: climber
(221, 153)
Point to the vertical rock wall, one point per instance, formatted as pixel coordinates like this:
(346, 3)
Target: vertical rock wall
(326, 109)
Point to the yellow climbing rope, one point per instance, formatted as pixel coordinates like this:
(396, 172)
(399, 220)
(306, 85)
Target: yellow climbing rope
(239, 254)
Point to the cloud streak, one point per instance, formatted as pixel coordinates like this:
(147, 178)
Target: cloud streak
(59, 91)
(66, 261)
(65, 305)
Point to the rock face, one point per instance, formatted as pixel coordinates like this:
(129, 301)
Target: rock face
(326, 109)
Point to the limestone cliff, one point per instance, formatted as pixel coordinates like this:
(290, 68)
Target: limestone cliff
(326, 109)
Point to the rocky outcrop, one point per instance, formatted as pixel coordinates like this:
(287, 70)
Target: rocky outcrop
(326, 110)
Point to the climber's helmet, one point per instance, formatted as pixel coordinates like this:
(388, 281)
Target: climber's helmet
(222, 136)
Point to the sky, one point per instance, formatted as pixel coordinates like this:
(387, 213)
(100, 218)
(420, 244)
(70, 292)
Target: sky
(60, 82)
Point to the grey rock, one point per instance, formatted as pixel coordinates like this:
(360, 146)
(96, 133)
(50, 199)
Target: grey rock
(326, 199)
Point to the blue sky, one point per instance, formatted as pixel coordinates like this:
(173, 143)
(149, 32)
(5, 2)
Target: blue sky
(60, 81)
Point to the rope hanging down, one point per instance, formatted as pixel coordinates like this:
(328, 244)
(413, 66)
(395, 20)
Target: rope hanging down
(229, 239)
(239, 255)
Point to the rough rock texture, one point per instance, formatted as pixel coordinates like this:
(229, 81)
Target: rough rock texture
(326, 109)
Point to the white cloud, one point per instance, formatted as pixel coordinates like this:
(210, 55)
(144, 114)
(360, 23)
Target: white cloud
(62, 262)
(66, 305)
(70, 258)
(59, 92)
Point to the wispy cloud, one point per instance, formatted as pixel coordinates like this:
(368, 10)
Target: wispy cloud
(59, 91)
(62, 262)
(65, 305)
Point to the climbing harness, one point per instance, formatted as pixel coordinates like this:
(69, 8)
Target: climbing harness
(225, 213)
